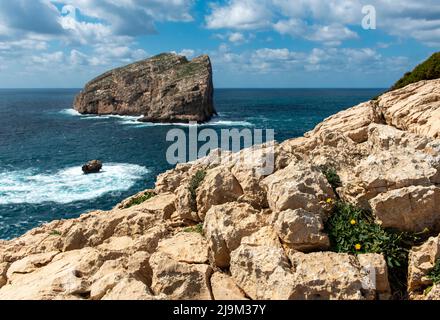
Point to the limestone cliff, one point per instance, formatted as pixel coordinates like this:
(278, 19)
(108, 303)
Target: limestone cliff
(164, 88)
(216, 229)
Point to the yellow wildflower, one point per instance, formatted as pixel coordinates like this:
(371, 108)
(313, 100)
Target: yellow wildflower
(353, 222)
(329, 200)
(358, 247)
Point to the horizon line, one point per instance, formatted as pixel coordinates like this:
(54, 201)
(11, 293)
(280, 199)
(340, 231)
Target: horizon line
(218, 88)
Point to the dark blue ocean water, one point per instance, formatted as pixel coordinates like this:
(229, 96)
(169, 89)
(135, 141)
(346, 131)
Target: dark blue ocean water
(43, 145)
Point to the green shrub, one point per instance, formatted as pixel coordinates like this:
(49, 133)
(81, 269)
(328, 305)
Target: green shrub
(197, 229)
(55, 233)
(140, 199)
(332, 177)
(353, 230)
(434, 274)
(195, 182)
(428, 70)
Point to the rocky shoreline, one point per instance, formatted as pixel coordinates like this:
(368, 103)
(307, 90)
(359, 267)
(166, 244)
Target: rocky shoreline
(216, 229)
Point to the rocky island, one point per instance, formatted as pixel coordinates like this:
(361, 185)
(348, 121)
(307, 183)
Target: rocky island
(164, 88)
(352, 211)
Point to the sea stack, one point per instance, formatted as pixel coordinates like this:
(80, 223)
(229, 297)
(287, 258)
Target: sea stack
(164, 88)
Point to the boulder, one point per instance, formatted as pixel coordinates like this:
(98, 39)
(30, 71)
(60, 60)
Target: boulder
(164, 88)
(219, 187)
(410, 209)
(180, 280)
(189, 247)
(225, 225)
(298, 186)
(301, 230)
(422, 260)
(262, 272)
(224, 288)
(93, 166)
(330, 276)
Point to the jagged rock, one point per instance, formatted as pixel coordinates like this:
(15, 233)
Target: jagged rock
(414, 108)
(411, 209)
(262, 272)
(301, 230)
(422, 260)
(64, 278)
(29, 264)
(265, 236)
(179, 280)
(225, 225)
(189, 247)
(298, 186)
(328, 275)
(3, 270)
(376, 267)
(219, 187)
(130, 289)
(93, 166)
(224, 288)
(164, 88)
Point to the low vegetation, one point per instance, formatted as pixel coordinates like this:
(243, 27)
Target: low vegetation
(195, 182)
(197, 229)
(353, 230)
(55, 233)
(434, 274)
(140, 199)
(428, 70)
(332, 177)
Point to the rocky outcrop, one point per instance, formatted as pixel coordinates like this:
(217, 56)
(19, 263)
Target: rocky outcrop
(93, 166)
(164, 88)
(245, 233)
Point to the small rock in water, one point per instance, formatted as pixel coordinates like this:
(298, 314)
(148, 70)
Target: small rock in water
(93, 166)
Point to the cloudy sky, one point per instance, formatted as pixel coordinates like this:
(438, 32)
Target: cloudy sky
(252, 43)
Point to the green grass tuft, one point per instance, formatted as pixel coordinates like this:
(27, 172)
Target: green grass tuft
(55, 233)
(197, 229)
(140, 199)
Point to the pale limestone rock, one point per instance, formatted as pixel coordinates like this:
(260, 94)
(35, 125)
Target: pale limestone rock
(170, 180)
(130, 289)
(422, 260)
(433, 294)
(266, 236)
(353, 123)
(414, 108)
(189, 247)
(179, 280)
(411, 209)
(224, 288)
(376, 266)
(161, 205)
(298, 186)
(219, 187)
(329, 276)
(301, 230)
(3, 270)
(262, 272)
(29, 264)
(225, 225)
(185, 205)
(107, 277)
(64, 278)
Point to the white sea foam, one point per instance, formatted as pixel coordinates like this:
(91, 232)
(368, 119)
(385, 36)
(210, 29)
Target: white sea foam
(222, 123)
(67, 185)
(71, 112)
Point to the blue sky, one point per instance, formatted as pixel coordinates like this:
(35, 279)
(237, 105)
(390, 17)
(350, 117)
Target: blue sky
(252, 43)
